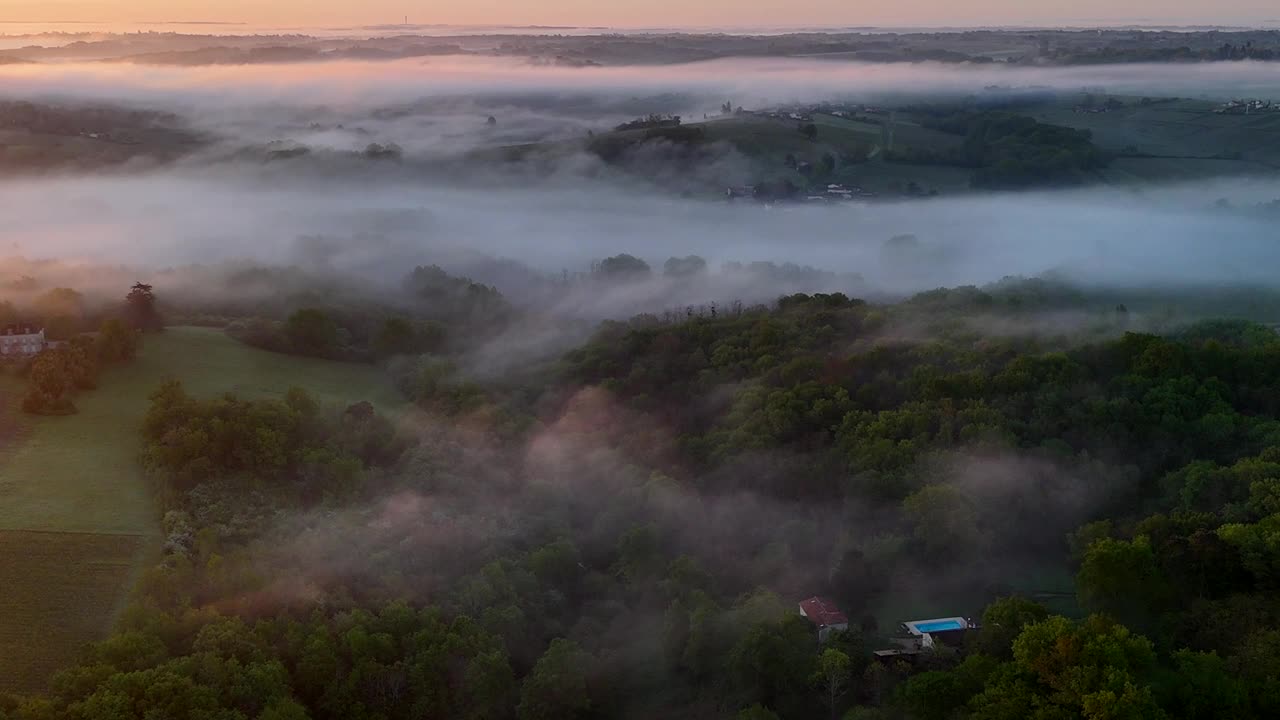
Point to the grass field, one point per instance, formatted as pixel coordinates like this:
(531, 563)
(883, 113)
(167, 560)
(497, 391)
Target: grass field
(1179, 129)
(76, 517)
(772, 140)
(768, 141)
(1143, 170)
(1186, 139)
(905, 133)
(59, 591)
(79, 473)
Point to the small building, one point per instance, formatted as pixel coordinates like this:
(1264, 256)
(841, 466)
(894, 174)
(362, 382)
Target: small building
(836, 191)
(824, 615)
(921, 637)
(901, 649)
(21, 340)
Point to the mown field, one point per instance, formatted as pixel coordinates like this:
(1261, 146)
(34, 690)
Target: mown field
(76, 518)
(1185, 140)
(59, 591)
(1127, 170)
(768, 142)
(1177, 129)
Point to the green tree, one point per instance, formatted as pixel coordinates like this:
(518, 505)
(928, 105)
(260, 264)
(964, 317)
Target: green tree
(773, 663)
(689, 266)
(558, 564)
(60, 303)
(623, 266)
(8, 313)
(945, 521)
(1203, 687)
(556, 687)
(828, 163)
(757, 712)
(284, 709)
(833, 678)
(1124, 579)
(399, 336)
(117, 342)
(1257, 664)
(489, 686)
(312, 332)
(140, 308)
(1097, 667)
(933, 695)
(1003, 621)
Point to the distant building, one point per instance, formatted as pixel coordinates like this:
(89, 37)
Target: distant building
(824, 615)
(836, 191)
(901, 649)
(21, 340)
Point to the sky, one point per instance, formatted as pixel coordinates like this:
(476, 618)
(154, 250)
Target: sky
(649, 13)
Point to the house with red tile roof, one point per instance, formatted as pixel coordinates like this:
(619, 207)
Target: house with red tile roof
(824, 614)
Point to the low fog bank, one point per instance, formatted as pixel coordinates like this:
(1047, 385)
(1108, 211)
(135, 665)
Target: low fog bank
(375, 231)
(747, 80)
(444, 102)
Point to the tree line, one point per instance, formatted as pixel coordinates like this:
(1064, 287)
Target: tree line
(628, 532)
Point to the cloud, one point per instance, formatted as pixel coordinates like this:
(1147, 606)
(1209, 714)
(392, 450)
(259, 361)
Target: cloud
(747, 81)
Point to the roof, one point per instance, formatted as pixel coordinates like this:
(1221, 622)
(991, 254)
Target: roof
(822, 612)
(896, 652)
(20, 329)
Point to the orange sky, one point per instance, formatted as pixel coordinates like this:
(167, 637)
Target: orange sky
(649, 13)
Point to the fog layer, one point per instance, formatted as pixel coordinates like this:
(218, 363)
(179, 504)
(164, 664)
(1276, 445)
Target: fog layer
(376, 220)
(1170, 235)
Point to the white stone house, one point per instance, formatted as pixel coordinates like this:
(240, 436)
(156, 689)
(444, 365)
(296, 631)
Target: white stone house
(21, 341)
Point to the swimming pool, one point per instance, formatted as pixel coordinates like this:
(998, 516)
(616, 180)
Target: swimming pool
(939, 626)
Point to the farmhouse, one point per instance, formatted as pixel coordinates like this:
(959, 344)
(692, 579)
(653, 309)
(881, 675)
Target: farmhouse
(21, 340)
(824, 615)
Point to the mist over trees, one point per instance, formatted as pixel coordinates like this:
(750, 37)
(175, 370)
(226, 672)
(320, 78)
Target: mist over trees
(628, 529)
(639, 385)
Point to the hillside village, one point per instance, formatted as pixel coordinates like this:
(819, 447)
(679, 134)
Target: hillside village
(1248, 107)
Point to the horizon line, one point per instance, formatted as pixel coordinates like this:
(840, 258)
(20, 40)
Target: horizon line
(1078, 24)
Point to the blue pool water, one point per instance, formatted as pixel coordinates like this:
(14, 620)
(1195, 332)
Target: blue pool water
(939, 626)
